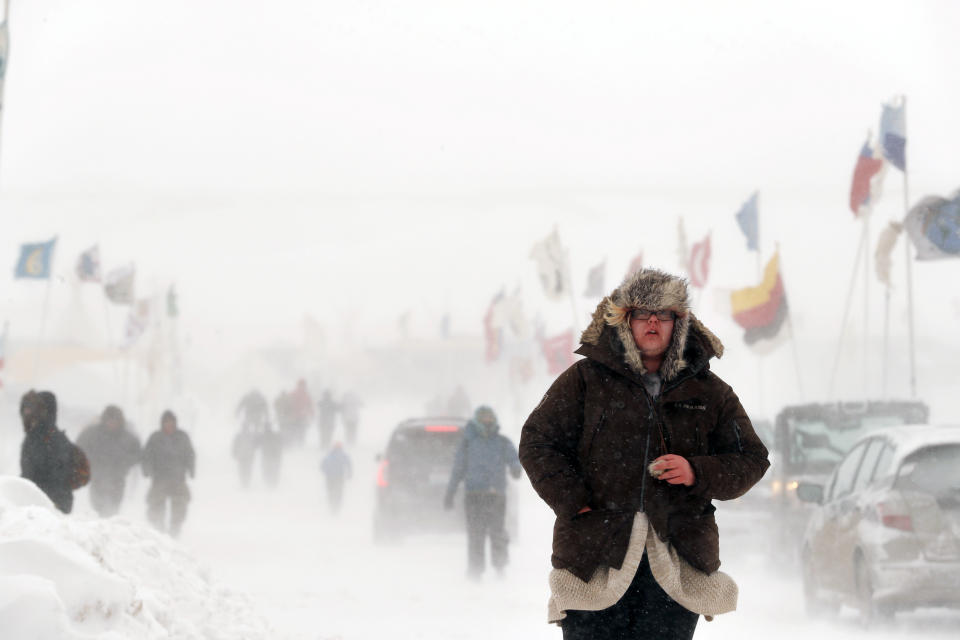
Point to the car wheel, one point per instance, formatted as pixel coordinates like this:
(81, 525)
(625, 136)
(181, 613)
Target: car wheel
(870, 613)
(814, 603)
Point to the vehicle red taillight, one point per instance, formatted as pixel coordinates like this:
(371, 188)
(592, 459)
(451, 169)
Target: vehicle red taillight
(382, 473)
(441, 428)
(890, 517)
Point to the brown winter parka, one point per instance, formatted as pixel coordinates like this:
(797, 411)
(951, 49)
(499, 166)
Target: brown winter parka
(590, 440)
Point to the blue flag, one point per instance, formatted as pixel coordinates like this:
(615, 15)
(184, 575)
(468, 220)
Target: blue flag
(747, 219)
(35, 260)
(893, 134)
(933, 225)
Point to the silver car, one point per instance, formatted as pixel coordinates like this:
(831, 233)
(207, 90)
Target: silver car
(886, 534)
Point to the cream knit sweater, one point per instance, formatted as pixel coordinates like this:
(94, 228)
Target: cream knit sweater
(708, 595)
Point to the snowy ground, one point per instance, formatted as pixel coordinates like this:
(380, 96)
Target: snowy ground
(297, 572)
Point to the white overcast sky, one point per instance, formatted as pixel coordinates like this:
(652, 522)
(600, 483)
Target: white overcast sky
(353, 160)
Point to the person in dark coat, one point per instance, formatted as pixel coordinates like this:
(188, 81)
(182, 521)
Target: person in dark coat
(639, 431)
(481, 463)
(47, 457)
(337, 469)
(168, 458)
(327, 409)
(113, 451)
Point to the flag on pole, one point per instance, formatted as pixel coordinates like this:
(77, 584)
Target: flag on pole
(118, 285)
(748, 219)
(636, 264)
(867, 178)
(883, 256)
(35, 260)
(699, 266)
(88, 265)
(595, 281)
(762, 310)
(893, 133)
(512, 315)
(933, 225)
(551, 260)
(558, 351)
(493, 327)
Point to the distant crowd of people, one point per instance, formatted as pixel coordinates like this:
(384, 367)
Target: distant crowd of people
(295, 410)
(102, 457)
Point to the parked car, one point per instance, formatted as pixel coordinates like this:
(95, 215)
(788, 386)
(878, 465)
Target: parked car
(808, 442)
(412, 478)
(885, 534)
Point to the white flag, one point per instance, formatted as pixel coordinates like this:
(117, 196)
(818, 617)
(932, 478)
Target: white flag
(551, 260)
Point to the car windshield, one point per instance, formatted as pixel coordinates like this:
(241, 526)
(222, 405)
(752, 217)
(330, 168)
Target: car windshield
(934, 470)
(420, 447)
(818, 445)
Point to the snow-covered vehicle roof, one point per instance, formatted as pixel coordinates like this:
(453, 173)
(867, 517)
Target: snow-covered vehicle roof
(909, 438)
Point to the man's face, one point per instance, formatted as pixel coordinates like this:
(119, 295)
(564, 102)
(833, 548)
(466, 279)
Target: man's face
(113, 423)
(651, 335)
(169, 425)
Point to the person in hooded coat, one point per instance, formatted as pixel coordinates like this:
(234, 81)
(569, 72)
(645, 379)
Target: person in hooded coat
(168, 458)
(629, 447)
(113, 451)
(481, 463)
(47, 457)
(337, 470)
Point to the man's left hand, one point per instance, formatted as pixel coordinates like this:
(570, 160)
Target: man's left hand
(675, 470)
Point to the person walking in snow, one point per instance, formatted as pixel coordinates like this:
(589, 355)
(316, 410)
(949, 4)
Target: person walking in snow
(481, 463)
(168, 458)
(629, 447)
(47, 457)
(113, 450)
(337, 470)
(327, 409)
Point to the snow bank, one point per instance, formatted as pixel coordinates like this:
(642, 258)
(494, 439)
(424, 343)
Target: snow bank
(64, 577)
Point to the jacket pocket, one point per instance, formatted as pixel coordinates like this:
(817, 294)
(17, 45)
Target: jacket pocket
(591, 539)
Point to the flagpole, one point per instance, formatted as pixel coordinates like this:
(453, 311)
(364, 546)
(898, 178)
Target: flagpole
(43, 328)
(910, 314)
(759, 280)
(846, 314)
(793, 334)
(906, 245)
(886, 338)
(866, 306)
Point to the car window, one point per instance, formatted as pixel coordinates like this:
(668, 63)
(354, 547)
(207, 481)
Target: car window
(865, 474)
(934, 470)
(843, 480)
(883, 464)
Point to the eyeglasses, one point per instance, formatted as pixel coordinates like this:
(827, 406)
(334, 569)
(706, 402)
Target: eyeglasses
(663, 315)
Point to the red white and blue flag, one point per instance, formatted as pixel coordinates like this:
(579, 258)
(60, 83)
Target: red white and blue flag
(893, 133)
(867, 177)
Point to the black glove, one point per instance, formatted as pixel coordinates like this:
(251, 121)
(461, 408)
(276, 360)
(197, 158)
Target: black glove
(448, 501)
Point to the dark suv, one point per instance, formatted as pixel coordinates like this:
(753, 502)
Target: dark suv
(412, 478)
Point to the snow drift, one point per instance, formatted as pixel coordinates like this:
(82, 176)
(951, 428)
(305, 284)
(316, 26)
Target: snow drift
(69, 578)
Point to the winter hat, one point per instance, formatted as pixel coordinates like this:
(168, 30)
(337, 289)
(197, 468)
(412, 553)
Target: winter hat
(112, 412)
(47, 407)
(654, 290)
(168, 414)
(484, 413)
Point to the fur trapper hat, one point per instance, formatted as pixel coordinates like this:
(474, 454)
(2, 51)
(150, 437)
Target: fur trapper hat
(654, 290)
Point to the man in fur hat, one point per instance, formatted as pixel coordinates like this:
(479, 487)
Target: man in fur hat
(629, 446)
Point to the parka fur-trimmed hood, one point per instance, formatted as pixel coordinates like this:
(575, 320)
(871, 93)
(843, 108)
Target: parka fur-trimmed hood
(655, 290)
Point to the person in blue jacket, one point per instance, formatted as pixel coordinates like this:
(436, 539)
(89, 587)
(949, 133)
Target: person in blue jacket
(481, 464)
